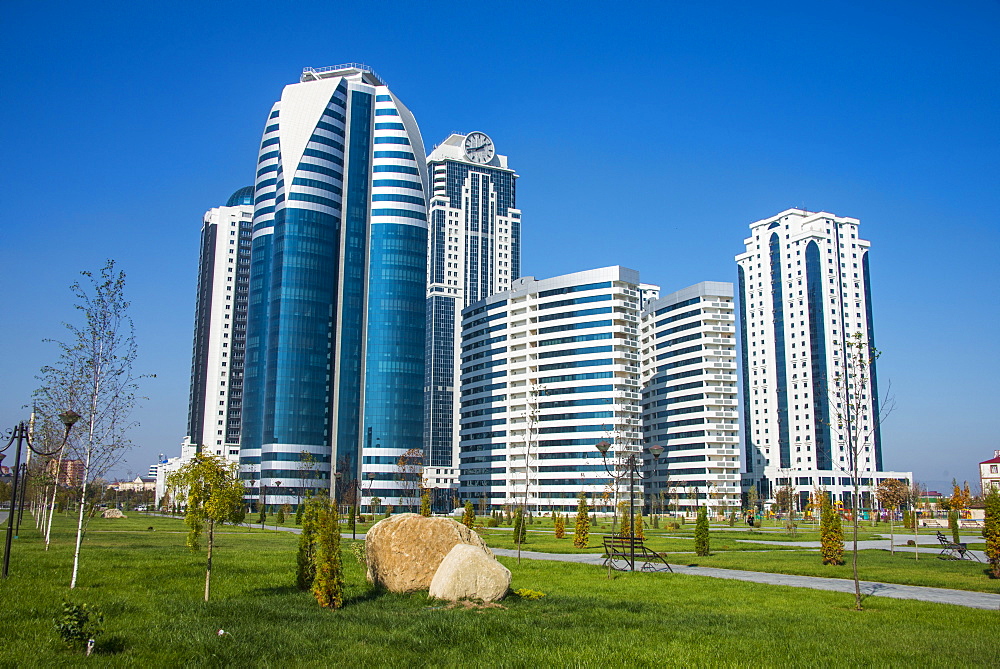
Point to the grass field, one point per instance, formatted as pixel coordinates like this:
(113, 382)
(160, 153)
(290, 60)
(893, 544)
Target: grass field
(149, 587)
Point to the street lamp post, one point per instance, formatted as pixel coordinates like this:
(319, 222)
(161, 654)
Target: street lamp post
(21, 436)
(631, 464)
(277, 484)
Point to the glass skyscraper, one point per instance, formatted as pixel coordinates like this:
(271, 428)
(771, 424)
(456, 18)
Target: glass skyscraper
(474, 252)
(335, 341)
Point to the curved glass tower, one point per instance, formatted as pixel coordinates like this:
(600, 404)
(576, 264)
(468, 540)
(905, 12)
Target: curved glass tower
(334, 360)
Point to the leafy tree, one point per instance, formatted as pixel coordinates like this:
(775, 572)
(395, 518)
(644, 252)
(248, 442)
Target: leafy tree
(560, 526)
(214, 494)
(299, 511)
(991, 530)
(626, 525)
(953, 525)
(93, 377)
(581, 533)
(752, 498)
(892, 494)
(701, 546)
(637, 527)
(469, 516)
(305, 562)
(831, 534)
(425, 505)
(914, 493)
(328, 585)
(78, 624)
(281, 515)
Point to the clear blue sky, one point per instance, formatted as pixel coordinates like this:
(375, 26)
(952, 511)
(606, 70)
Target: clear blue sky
(646, 134)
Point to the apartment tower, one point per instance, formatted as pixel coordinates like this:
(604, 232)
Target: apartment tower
(805, 288)
(220, 328)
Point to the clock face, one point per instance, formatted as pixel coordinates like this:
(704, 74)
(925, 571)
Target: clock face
(479, 147)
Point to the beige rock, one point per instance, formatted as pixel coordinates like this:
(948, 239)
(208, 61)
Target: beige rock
(405, 551)
(113, 513)
(467, 572)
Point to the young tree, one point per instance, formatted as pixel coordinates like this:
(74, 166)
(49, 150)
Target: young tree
(559, 523)
(410, 474)
(469, 515)
(93, 377)
(305, 561)
(858, 415)
(831, 534)
(425, 505)
(991, 530)
(953, 526)
(637, 527)
(328, 585)
(581, 533)
(785, 499)
(892, 494)
(214, 494)
(701, 547)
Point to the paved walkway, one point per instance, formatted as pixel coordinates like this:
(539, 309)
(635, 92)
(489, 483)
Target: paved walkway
(975, 600)
(876, 544)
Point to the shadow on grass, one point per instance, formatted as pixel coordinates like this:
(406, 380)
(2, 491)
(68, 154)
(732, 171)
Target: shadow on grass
(111, 645)
(278, 590)
(370, 595)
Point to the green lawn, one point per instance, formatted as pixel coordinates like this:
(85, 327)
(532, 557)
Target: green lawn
(149, 587)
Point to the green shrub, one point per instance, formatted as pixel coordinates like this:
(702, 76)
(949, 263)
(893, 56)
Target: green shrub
(520, 527)
(425, 505)
(701, 546)
(328, 586)
(831, 535)
(78, 623)
(559, 523)
(581, 533)
(305, 571)
(991, 531)
(525, 593)
(953, 524)
(469, 516)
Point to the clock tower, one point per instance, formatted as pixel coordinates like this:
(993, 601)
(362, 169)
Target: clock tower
(473, 251)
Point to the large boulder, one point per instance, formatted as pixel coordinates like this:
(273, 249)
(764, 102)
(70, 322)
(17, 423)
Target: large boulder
(467, 572)
(113, 513)
(405, 551)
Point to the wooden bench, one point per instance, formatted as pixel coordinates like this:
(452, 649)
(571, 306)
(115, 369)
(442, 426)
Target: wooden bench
(953, 551)
(620, 552)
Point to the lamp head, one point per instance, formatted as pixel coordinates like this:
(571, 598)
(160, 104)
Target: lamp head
(69, 418)
(656, 450)
(371, 476)
(603, 447)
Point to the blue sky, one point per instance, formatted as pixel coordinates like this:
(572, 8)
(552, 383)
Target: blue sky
(646, 134)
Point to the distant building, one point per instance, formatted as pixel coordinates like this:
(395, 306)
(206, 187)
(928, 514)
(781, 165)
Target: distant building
(989, 473)
(70, 472)
(140, 484)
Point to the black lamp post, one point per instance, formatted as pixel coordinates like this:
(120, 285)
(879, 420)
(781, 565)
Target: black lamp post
(632, 465)
(21, 436)
(277, 484)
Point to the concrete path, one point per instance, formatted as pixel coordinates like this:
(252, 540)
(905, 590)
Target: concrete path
(976, 600)
(873, 544)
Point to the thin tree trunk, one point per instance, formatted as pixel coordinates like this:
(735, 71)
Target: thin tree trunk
(55, 493)
(916, 533)
(892, 536)
(208, 570)
(79, 532)
(854, 561)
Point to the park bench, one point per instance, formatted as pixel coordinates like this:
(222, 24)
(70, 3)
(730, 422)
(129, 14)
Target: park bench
(621, 551)
(953, 551)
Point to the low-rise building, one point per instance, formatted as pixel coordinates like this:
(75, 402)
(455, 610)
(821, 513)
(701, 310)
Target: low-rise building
(989, 473)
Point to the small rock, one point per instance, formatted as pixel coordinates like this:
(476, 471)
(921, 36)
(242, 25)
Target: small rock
(113, 513)
(467, 572)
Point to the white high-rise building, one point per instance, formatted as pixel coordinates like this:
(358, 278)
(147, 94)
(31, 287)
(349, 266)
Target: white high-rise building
(549, 369)
(215, 406)
(805, 286)
(689, 398)
(473, 251)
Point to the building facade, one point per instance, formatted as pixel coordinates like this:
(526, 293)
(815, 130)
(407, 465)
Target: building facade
(689, 399)
(805, 289)
(989, 473)
(474, 250)
(336, 328)
(220, 328)
(549, 369)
